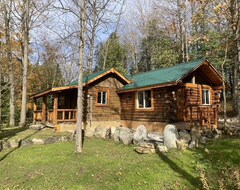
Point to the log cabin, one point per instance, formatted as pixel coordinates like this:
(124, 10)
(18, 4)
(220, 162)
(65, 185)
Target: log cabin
(184, 94)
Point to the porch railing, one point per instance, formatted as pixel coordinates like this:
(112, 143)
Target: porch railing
(66, 115)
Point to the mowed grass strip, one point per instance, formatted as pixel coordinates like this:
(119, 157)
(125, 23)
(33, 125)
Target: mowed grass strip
(108, 165)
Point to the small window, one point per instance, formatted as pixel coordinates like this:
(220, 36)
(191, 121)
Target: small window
(144, 99)
(102, 98)
(206, 97)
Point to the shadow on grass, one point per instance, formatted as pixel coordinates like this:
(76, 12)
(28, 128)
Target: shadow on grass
(19, 145)
(8, 133)
(192, 180)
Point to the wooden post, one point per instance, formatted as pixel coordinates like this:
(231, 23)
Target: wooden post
(55, 109)
(34, 110)
(44, 109)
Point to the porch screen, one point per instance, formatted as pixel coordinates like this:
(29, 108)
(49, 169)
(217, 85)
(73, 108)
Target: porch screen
(102, 98)
(206, 97)
(144, 99)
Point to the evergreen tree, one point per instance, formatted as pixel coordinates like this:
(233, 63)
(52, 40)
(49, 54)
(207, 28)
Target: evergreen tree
(112, 54)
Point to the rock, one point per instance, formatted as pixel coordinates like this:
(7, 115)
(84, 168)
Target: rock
(155, 137)
(102, 132)
(126, 135)
(112, 131)
(182, 144)
(64, 139)
(37, 141)
(51, 140)
(89, 132)
(162, 148)
(5, 144)
(170, 136)
(13, 143)
(185, 136)
(147, 145)
(25, 143)
(140, 134)
(36, 126)
(192, 144)
(143, 150)
(203, 140)
(115, 135)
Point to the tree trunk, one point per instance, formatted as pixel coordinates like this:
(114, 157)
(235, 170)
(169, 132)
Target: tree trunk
(79, 137)
(25, 38)
(7, 15)
(0, 84)
(181, 28)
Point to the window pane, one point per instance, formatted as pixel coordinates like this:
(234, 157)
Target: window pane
(99, 98)
(148, 103)
(104, 97)
(203, 95)
(140, 99)
(207, 97)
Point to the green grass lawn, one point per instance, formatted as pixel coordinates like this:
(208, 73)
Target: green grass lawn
(107, 165)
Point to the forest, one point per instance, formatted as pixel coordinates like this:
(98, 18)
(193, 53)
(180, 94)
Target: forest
(50, 43)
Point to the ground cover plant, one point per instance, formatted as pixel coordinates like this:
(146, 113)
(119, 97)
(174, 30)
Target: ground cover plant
(108, 165)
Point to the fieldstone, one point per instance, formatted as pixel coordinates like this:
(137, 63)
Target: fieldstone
(102, 132)
(89, 132)
(203, 140)
(126, 136)
(181, 144)
(144, 150)
(25, 143)
(162, 148)
(64, 139)
(37, 141)
(147, 145)
(36, 126)
(170, 136)
(5, 144)
(13, 143)
(185, 136)
(157, 137)
(140, 134)
(192, 144)
(112, 131)
(51, 140)
(116, 134)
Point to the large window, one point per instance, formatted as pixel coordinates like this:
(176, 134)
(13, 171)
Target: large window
(102, 98)
(144, 99)
(206, 97)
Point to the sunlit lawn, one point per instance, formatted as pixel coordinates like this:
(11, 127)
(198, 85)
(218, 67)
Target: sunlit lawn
(107, 165)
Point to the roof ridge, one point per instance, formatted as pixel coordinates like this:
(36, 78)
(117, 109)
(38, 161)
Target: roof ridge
(164, 68)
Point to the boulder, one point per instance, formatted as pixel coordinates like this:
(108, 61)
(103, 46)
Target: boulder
(143, 150)
(192, 144)
(170, 136)
(125, 136)
(140, 134)
(162, 148)
(112, 131)
(64, 139)
(116, 133)
(36, 126)
(51, 140)
(157, 137)
(13, 143)
(26, 143)
(4, 144)
(182, 144)
(185, 136)
(37, 141)
(89, 132)
(203, 140)
(102, 132)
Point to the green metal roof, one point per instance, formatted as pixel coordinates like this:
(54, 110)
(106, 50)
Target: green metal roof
(89, 77)
(163, 76)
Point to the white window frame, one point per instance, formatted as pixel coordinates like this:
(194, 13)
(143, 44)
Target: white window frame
(144, 100)
(204, 97)
(101, 98)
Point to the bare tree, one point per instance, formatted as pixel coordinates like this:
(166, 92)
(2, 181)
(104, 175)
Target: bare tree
(7, 19)
(25, 39)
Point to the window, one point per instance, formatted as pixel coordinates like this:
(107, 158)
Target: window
(206, 97)
(144, 99)
(102, 98)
